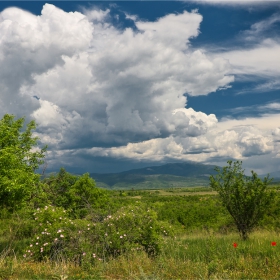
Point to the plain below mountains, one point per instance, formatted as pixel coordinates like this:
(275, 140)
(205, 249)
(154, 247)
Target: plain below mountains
(157, 177)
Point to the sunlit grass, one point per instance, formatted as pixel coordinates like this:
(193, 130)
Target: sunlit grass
(199, 255)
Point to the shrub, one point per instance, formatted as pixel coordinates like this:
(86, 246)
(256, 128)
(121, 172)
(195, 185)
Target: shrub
(59, 238)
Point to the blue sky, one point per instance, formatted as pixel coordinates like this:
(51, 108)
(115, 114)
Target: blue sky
(127, 84)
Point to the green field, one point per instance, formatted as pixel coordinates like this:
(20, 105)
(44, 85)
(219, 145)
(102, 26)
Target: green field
(199, 243)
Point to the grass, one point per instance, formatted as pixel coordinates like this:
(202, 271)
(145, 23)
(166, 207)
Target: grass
(198, 255)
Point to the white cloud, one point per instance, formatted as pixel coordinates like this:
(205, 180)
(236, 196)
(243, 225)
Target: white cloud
(239, 139)
(122, 94)
(260, 28)
(99, 86)
(261, 60)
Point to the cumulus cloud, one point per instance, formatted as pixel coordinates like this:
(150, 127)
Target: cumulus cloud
(105, 92)
(100, 86)
(238, 143)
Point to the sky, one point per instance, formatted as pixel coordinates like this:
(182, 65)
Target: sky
(120, 85)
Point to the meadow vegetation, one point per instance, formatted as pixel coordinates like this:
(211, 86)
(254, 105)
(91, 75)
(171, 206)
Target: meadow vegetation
(64, 227)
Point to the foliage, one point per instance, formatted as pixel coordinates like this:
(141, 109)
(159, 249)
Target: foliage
(77, 194)
(51, 234)
(247, 199)
(86, 198)
(192, 256)
(133, 227)
(18, 162)
(58, 237)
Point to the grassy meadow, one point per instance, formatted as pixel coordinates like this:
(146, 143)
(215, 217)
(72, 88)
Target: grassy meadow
(199, 242)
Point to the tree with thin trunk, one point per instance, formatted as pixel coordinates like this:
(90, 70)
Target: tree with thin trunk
(247, 198)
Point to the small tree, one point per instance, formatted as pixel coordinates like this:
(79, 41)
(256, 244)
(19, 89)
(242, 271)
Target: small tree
(76, 193)
(18, 162)
(247, 199)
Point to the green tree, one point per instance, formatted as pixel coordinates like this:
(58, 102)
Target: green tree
(247, 199)
(78, 194)
(57, 187)
(18, 161)
(86, 197)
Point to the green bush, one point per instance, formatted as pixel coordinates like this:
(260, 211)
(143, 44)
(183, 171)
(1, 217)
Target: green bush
(57, 237)
(77, 194)
(132, 228)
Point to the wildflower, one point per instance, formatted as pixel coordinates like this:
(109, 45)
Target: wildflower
(84, 253)
(61, 235)
(55, 239)
(235, 245)
(31, 245)
(121, 236)
(94, 255)
(273, 243)
(24, 255)
(42, 250)
(59, 231)
(106, 234)
(124, 235)
(37, 243)
(38, 237)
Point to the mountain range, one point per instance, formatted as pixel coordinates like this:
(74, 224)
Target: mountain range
(187, 174)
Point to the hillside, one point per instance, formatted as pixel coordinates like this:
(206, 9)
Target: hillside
(157, 177)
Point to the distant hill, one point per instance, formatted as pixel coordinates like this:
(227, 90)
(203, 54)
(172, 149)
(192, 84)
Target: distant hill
(157, 177)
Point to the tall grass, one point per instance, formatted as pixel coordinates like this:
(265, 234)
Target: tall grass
(201, 255)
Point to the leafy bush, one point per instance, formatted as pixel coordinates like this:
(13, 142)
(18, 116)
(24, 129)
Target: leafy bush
(78, 194)
(59, 238)
(132, 228)
(51, 233)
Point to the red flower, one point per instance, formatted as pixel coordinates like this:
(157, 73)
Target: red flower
(235, 245)
(273, 243)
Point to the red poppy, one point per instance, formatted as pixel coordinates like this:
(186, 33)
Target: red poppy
(235, 245)
(273, 243)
